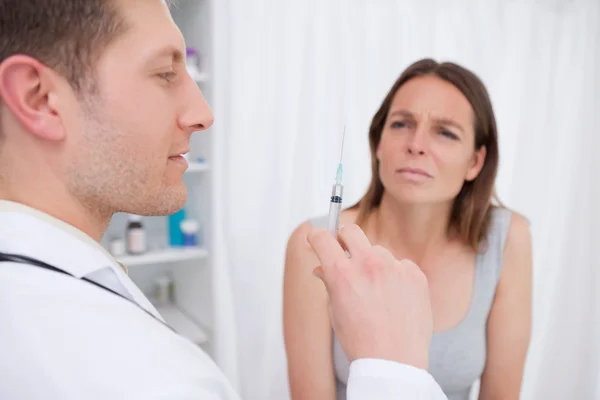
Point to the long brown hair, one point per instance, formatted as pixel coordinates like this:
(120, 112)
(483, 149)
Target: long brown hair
(471, 211)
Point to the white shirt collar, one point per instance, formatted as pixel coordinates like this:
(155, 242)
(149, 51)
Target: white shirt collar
(30, 232)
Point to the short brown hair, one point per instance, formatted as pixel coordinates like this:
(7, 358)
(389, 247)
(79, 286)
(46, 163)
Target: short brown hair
(471, 211)
(66, 35)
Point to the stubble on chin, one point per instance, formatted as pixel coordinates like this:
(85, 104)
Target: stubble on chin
(109, 175)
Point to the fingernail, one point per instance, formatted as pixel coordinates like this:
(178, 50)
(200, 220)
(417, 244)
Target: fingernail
(318, 273)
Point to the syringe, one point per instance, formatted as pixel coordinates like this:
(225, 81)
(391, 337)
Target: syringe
(337, 192)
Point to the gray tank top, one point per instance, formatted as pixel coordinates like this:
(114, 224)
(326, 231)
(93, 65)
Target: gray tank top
(456, 357)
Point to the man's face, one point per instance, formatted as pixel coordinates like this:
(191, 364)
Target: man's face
(126, 136)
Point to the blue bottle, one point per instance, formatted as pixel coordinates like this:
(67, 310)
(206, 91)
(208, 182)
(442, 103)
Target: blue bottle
(175, 233)
(189, 227)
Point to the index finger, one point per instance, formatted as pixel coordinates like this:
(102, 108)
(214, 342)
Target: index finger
(326, 247)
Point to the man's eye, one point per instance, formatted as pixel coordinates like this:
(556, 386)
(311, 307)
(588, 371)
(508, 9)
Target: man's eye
(167, 76)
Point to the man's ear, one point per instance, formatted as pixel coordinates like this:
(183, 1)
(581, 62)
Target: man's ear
(28, 91)
(476, 164)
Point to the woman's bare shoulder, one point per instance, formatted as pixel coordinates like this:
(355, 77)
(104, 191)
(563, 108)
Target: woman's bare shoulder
(298, 242)
(348, 216)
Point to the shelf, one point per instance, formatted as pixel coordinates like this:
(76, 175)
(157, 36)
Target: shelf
(164, 256)
(196, 167)
(182, 324)
(203, 77)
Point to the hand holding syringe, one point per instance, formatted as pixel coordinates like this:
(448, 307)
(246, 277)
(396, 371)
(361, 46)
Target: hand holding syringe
(337, 192)
(370, 291)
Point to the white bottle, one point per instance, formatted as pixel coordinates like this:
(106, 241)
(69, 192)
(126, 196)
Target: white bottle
(136, 235)
(117, 247)
(163, 286)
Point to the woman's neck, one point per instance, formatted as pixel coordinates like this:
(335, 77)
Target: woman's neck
(411, 231)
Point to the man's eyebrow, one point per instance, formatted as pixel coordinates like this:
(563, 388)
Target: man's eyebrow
(168, 51)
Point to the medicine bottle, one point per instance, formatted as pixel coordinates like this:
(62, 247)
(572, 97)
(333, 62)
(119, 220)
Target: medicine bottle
(117, 247)
(136, 235)
(189, 227)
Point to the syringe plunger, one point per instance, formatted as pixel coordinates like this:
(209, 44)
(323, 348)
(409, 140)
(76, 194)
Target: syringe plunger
(337, 193)
(335, 208)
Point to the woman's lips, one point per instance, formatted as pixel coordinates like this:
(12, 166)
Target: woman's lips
(413, 174)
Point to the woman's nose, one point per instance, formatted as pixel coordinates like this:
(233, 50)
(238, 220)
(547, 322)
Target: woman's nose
(416, 143)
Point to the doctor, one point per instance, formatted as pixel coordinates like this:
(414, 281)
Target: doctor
(95, 109)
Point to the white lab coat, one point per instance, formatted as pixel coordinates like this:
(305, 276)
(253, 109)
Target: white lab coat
(62, 338)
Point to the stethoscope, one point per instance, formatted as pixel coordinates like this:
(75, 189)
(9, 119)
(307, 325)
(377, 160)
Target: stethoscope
(15, 258)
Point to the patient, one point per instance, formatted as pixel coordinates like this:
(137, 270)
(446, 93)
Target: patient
(434, 158)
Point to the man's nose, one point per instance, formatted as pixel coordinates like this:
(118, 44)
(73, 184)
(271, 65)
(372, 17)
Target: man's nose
(197, 115)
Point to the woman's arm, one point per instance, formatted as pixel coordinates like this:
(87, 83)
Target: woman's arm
(307, 328)
(509, 323)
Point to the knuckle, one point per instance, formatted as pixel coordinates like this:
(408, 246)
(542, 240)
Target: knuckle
(373, 263)
(421, 278)
(408, 264)
(409, 267)
(414, 272)
(379, 249)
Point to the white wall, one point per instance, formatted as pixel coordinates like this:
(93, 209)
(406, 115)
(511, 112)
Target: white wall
(293, 73)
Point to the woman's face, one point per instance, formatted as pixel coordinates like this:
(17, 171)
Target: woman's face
(427, 147)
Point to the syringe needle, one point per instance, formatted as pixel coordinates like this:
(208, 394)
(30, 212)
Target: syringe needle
(338, 175)
(342, 149)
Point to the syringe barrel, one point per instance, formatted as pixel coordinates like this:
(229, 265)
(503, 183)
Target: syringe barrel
(335, 208)
(337, 192)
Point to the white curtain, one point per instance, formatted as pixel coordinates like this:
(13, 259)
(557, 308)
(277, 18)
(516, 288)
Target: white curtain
(291, 74)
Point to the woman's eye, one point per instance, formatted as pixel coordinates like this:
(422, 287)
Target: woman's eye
(448, 134)
(398, 124)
